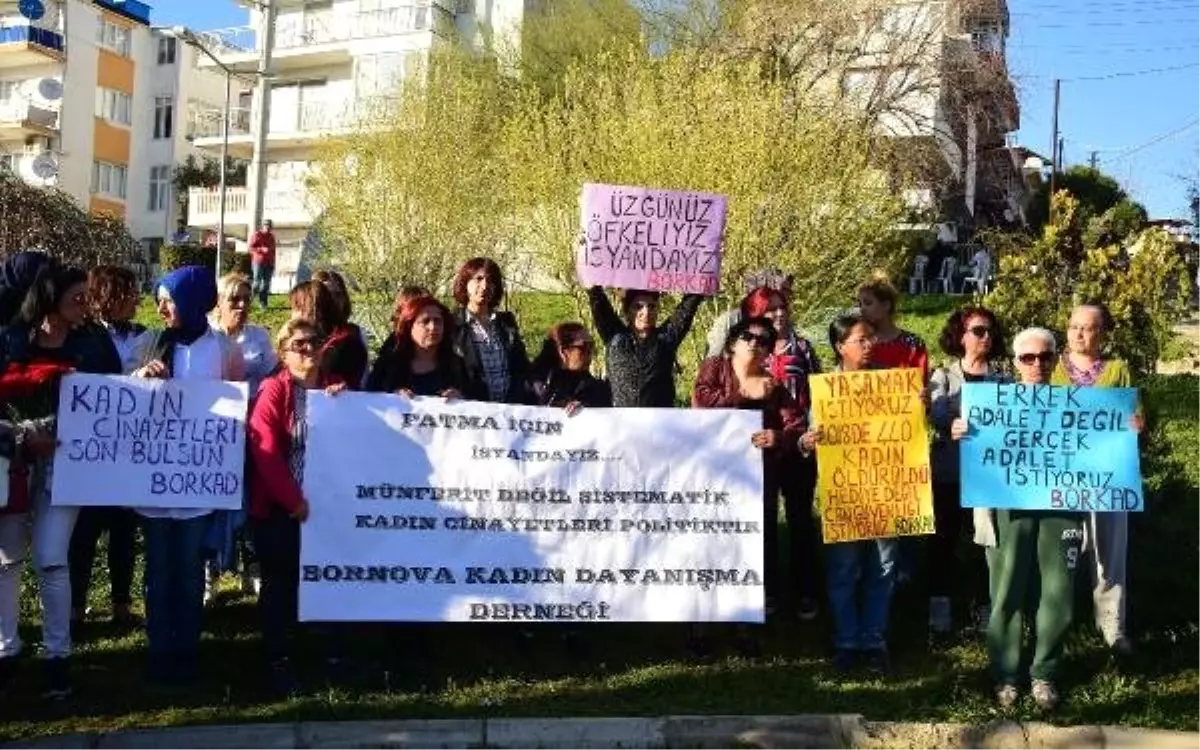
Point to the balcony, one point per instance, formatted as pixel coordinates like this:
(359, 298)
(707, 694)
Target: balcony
(322, 39)
(21, 117)
(285, 205)
(289, 126)
(29, 45)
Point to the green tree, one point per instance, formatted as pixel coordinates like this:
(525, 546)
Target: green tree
(1095, 191)
(50, 220)
(476, 162)
(1145, 285)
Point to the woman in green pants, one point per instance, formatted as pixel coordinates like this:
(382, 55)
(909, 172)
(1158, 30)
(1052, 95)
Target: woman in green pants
(1031, 565)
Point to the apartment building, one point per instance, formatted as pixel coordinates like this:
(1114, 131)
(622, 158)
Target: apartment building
(332, 63)
(90, 103)
(952, 96)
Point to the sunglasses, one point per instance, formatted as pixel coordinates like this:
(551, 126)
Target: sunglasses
(302, 346)
(750, 337)
(645, 306)
(583, 345)
(1028, 358)
(980, 331)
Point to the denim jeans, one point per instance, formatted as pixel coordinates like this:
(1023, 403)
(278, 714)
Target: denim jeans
(47, 528)
(121, 525)
(174, 586)
(260, 281)
(872, 562)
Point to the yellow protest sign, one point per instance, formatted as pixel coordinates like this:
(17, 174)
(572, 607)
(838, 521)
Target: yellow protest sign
(873, 458)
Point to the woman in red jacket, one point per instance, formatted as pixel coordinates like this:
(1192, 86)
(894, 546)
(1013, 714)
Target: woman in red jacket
(278, 431)
(739, 379)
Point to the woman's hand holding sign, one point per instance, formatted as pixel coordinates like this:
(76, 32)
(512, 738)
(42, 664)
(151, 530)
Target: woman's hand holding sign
(959, 429)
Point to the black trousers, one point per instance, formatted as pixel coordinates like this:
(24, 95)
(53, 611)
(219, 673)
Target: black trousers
(121, 525)
(277, 543)
(796, 480)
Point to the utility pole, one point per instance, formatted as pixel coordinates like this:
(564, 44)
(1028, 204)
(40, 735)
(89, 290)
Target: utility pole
(1054, 144)
(262, 120)
(1094, 160)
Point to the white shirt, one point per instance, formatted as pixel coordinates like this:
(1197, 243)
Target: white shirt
(130, 347)
(206, 358)
(258, 352)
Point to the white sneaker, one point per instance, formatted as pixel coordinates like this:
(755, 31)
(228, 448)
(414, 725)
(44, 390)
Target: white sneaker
(1045, 695)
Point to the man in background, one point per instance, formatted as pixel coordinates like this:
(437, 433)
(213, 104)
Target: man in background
(262, 261)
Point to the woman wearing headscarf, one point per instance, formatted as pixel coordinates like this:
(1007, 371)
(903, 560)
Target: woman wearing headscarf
(187, 349)
(1084, 364)
(641, 353)
(51, 329)
(16, 277)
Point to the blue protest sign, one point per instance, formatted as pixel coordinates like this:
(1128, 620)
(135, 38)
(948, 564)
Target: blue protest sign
(1050, 447)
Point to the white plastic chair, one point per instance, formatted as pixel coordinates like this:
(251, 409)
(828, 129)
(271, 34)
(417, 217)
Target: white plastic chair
(980, 276)
(945, 276)
(916, 282)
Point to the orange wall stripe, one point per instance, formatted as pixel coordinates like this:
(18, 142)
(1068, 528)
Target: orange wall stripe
(111, 143)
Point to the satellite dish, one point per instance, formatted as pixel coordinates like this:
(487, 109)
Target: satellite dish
(32, 9)
(45, 166)
(51, 89)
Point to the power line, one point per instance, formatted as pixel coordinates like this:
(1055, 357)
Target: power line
(1132, 73)
(1154, 141)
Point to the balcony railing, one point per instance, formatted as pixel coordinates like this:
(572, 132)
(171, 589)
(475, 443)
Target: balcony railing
(206, 123)
(283, 204)
(305, 31)
(25, 111)
(32, 34)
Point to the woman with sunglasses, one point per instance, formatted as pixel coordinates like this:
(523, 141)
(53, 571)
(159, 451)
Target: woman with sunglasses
(790, 362)
(974, 343)
(739, 379)
(1031, 556)
(277, 434)
(560, 375)
(1085, 364)
(640, 353)
(860, 623)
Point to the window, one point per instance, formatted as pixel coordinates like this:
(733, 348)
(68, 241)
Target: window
(164, 110)
(113, 106)
(109, 179)
(113, 37)
(8, 90)
(166, 50)
(9, 161)
(160, 187)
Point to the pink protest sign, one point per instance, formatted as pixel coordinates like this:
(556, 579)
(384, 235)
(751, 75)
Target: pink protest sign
(642, 238)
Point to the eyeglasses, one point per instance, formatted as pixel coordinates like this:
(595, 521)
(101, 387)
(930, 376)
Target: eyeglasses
(980, 331)
(1028, 358)
(645, 306)
(303, 346)
(859, 342)
(750, 337)
(244, 299)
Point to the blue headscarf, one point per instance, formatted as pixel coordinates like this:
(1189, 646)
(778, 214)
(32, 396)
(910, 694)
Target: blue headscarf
(20, 271)
(193, 289)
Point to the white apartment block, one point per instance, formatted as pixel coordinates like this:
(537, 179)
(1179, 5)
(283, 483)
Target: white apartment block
(332, 62)
(90, 100)
(957, 98)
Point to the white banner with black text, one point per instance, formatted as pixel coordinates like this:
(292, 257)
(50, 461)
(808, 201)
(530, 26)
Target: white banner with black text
(428, 510)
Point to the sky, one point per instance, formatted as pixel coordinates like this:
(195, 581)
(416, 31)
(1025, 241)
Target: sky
(1143, 125)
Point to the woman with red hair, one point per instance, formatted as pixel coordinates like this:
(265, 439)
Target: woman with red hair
(791, 360)
(420, 359)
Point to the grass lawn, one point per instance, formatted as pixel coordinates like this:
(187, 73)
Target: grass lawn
(472, 670)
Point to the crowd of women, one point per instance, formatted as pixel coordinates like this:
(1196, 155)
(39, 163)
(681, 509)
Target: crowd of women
(757, 360)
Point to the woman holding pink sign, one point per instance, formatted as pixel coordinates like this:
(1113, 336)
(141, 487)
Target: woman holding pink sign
(641, 353)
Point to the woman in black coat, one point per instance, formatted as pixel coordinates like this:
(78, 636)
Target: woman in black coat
(560, 375)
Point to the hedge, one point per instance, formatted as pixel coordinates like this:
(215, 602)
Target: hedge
(191, 254)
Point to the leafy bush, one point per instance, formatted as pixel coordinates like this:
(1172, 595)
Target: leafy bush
(191, 254)
(50, 220)
(1145, 286)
